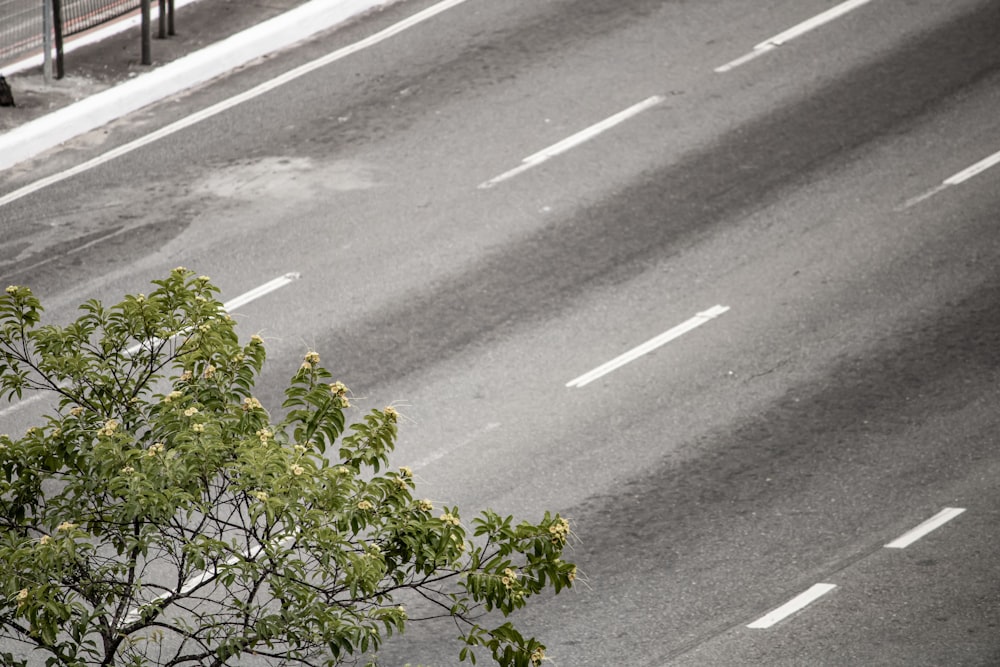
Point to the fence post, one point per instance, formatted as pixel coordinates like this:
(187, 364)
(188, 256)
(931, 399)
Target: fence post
(147, 55)
(47, 40)
(57, 23)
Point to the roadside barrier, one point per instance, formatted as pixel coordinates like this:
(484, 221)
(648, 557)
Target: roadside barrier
(24, 23)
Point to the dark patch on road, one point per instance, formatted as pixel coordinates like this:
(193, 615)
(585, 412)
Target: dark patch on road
(64, 265)
(671, 208)
(949, 362)
(793, 484)
(492, 57)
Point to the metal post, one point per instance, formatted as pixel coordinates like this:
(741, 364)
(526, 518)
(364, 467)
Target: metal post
(163, 20)
(170, 20)
(57, 23)
(47, 40)
(147, 50)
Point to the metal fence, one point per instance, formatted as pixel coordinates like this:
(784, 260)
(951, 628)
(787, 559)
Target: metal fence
(80, 15)
(21, 25)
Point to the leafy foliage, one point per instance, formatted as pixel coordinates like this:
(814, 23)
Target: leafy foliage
(160, 515)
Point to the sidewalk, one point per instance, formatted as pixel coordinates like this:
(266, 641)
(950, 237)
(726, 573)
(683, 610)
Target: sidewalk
(46, 114)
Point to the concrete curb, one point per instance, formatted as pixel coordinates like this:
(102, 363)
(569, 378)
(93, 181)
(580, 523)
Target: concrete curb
(41, 134)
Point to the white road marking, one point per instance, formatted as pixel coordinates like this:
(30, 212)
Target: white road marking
(956, 179)
(757, 51)
(241, 300)
(933, 523)
(439, 454)
(974, 170)
(795, 604)
(228, 306)
(200, 578)
(258, 292)
(648, 346)
(793, 32)
(231, 102)
(575, 140)
(913, 201)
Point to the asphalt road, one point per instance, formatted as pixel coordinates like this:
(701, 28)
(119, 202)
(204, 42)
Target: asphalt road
(848, 393)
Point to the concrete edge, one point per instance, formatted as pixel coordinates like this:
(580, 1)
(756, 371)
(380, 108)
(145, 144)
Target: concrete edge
(41, 134)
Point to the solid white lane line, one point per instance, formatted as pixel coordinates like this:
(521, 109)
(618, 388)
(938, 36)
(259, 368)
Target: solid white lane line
(228, 306)
(933, 523)
(956, 179)
(795, 31)
(795, 604)
(648, 346)
(227, 104)
(580, 137)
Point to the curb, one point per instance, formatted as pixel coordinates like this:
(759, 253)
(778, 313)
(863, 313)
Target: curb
(41, 134)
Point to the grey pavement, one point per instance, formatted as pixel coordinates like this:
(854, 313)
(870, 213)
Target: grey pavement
(93, 68)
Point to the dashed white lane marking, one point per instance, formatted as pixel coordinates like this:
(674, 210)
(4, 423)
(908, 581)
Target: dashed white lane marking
(933, 523)
(229, 306)
(441, 453)
(575, 140)
(797, 603)
(648, 346)
(258, 292)
(793, 32)
(207, 576)
(956, 179)
(231, 102)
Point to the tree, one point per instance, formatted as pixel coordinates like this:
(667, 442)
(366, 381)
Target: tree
(160, 515)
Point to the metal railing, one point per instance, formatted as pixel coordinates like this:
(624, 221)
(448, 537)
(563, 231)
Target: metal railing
(80, 15)
(20, 27)
(23, 25)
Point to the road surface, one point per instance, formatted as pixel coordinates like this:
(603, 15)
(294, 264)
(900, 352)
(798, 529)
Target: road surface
(497, 201)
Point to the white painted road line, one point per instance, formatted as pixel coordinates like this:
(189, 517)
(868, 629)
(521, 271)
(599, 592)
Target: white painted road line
(956, 179)
(213, 56)
(229, 306)
(575, 140)
(648, 346)
(241, 300)
(258, 292)
(441, 453)
(795, 604)
(793, 32)
(206, 576)
(933, 523)
(974, 170)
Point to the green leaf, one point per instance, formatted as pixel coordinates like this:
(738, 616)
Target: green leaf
(240, 528)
